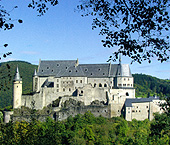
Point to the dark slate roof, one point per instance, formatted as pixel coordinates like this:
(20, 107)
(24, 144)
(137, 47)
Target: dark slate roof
(67, 68)
(129, 101)
(123, 70)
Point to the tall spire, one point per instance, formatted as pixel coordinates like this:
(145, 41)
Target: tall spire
(35, 72)
(17, 75)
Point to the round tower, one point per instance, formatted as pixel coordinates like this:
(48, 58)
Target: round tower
(35, 82)
(17, 90)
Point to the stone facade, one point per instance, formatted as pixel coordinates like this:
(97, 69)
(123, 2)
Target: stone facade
(61, 81)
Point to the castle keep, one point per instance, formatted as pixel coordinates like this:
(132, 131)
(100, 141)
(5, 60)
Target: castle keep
(104, 89)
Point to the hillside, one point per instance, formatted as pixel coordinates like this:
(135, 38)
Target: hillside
(145, 85)
(7, 72)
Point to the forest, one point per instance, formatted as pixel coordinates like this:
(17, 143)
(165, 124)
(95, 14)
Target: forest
(87, 129)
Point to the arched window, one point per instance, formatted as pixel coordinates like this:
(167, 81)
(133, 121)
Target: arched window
(127, 94)
(94, 84)
(100, 85)
(105, 85)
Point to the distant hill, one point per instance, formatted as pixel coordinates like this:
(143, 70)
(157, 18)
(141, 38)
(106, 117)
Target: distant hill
(145, 85)
(7, 72)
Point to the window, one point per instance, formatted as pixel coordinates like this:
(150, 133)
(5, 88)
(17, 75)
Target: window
(124, 85)
(124, 79)
(81, 92)
(58, 65)
(95, 85)
(57, 85)
(146, 106)
(85, 69)
(100, 85)
(63, 89)
(81, 81)
(76, 81)
(52, 70)
(113, 97)
(57, 80)
(69, 89)
(57, 90)
(127, 94)
(105, 85)
(103, 74)
(47, 67)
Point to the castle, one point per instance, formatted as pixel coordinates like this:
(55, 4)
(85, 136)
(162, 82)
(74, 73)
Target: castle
(110, 85)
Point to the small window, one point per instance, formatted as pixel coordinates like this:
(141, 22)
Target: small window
(81, 81)
(42, 71)
(99, 69)
(47, 67)
(146, 106)
(52, 70)
(124, 79)
(105, 85)
(57, 85)
(81, 92)
(70, 71)
(66, 67)
(57, 80)
(58, 64)
(113, 97)
(57, 90)
(69, 89)
(127, 94)
(100, 85)
(95, 85)
(76, 81)
(103, 74)
(91, 74)
(63, 89)
(85, 69)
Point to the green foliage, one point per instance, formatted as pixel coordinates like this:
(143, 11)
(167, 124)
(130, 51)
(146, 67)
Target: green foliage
(7, 72)
(135, 27)
(147, 85)
(83, 129)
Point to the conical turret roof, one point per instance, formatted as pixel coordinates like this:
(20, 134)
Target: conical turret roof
(17, 75)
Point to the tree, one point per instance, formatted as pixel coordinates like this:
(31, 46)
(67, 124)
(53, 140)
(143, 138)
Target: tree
(139, 28)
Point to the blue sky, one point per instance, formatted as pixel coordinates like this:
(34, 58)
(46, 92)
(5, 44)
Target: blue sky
(62, 34)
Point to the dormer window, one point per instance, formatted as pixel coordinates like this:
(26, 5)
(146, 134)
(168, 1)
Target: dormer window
(47, 67)
(85, 69)
(58, 64)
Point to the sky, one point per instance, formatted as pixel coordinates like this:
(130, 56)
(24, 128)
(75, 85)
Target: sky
(62, 34)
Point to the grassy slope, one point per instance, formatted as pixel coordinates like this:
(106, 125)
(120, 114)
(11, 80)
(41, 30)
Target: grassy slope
(7, 72)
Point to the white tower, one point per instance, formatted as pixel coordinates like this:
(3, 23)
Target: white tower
(35, 82)
(17, 90)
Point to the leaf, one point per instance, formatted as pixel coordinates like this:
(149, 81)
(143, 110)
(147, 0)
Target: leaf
(20, 21)
(5, 45)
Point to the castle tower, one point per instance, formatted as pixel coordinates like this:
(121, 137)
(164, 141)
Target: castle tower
(35, 82)
(17, 90)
